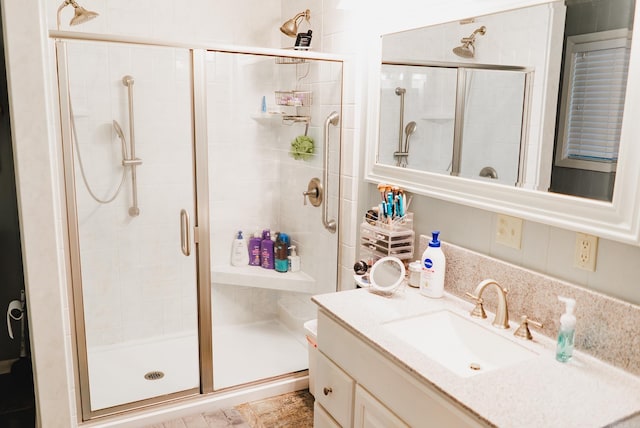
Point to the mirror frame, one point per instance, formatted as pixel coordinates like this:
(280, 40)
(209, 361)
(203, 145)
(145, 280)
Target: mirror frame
(618, 220)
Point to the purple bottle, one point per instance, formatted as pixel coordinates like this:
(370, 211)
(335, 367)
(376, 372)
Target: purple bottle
(255, 256)
(266, 250)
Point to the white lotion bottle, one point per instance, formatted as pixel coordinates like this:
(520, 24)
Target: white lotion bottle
(566, 335)
(239, 251)
(433, 268)
(294, 260)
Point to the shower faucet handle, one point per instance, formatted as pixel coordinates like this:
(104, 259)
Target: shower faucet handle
(313, 193)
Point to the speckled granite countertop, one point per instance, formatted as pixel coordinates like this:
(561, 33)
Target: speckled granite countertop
(539, 392)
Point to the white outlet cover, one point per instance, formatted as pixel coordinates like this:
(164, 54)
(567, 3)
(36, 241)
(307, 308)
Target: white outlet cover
(586, 252)
(509, 231)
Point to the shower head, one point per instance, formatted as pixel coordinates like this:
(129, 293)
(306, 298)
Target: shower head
(400, 91)
(290, 27)
(80, 16)
(118, 129)
(467, 50)
(468, 47)
(123, 140)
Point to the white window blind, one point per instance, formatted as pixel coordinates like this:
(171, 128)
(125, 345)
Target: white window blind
(598, 88)
(592, 102)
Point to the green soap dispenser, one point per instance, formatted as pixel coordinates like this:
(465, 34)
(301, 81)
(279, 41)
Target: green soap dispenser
(566, 335)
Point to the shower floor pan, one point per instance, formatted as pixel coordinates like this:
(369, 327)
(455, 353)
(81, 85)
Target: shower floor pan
(242, 353)
(249, 352)
(117, 372)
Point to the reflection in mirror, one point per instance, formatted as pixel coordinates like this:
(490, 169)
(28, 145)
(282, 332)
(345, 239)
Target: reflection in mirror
(597, 44)
(531, 37)
(427, 97)
(462, 128)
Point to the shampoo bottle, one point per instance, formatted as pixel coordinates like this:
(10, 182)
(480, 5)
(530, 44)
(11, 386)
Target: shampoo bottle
(566, 335)
(266, 250)
(239, 252)
(294, 260)
(255, 256)
(281, 253)
(433, 268)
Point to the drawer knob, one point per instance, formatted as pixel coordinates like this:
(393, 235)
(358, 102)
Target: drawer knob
(327, 391)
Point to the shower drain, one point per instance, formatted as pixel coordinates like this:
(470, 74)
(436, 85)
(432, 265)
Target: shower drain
(154, 375)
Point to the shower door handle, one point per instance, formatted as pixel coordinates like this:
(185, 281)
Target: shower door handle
(185, 236)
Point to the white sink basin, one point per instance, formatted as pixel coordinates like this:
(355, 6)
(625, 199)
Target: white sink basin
(458, 343)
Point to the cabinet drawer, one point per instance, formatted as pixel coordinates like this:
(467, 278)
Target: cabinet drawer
(322, 419)
(334, 390)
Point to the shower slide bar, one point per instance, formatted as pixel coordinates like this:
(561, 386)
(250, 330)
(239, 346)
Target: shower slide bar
(332, 119)
(132, 161)
(400, 159)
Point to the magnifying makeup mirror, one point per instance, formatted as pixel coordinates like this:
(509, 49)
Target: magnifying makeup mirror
(386, 275)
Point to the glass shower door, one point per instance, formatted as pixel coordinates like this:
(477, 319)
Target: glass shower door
(266, 118)
(130, 192)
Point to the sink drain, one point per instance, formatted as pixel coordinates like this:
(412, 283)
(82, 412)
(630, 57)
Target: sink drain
(154, 375)
(474, 366)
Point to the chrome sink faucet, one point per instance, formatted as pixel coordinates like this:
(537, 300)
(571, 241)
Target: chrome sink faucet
(502, 313)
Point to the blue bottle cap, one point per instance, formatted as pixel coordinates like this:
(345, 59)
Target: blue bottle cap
(435, 242)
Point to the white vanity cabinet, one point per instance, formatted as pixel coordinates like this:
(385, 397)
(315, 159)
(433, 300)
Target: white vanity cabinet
(368, 412)
(357, 386)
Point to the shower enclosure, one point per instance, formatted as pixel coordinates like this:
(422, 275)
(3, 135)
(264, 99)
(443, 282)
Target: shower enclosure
(190, 144)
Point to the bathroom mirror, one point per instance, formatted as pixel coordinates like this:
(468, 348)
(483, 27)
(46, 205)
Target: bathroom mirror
(386, 275)
(529, 37)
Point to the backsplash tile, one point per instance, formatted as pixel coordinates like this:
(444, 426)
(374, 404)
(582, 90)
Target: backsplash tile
(607, 328)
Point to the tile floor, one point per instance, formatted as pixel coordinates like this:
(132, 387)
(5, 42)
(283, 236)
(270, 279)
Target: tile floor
(293, 410)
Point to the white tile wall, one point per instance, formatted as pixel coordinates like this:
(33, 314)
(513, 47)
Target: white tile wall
(254, 181)
(132, 268)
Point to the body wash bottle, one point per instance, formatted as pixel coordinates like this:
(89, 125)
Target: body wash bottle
(566, 335)
(281, 253)
(266, 250)
(294, 260)
(239, 252)
(255, 257)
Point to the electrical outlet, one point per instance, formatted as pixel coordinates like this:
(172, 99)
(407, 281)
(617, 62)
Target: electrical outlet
(586, 252)
(509, 231)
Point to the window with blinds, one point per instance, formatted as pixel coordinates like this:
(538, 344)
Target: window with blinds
(592, 104)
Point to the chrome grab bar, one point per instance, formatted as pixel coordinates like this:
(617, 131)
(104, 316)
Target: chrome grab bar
(132, 162)
(332, 119)
(185, 236)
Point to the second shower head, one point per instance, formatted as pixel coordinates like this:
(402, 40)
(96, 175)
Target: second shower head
(468, 47)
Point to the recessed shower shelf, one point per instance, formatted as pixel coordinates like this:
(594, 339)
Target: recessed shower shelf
(255, 276)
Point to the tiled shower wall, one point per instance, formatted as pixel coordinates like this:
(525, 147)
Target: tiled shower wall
(254, 182)
(136, 283)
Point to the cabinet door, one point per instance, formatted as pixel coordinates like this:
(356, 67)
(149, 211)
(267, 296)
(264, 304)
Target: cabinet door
(334, 390)
(322, 419)
(370, 413)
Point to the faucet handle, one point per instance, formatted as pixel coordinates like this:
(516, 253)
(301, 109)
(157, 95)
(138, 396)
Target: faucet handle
(478, 310)
(523, 331)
